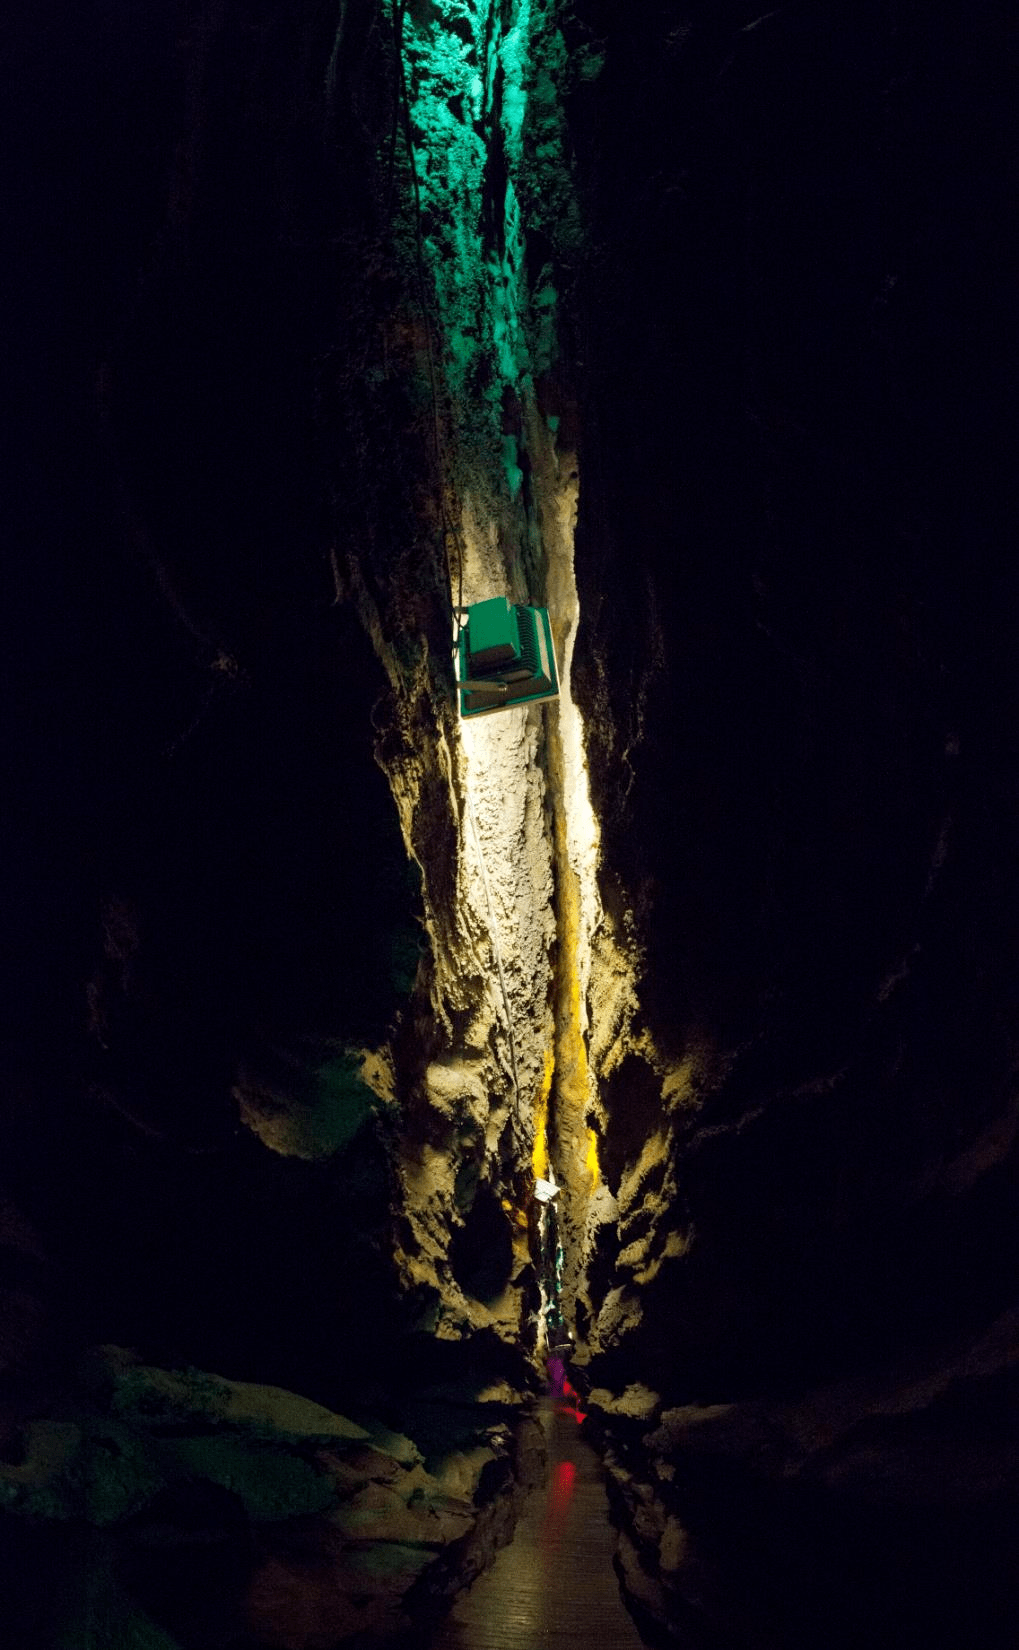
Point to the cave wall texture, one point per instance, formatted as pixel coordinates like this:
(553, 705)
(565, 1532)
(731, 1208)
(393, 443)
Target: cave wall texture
(694, 324)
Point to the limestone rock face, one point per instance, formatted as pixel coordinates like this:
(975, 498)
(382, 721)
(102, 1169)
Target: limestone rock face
(327, 323)
(306, 955)
(223, 1501)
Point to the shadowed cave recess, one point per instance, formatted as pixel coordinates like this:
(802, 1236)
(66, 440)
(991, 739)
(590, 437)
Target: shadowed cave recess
(691, 325)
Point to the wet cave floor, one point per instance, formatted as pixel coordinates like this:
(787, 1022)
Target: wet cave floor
(554, 1584)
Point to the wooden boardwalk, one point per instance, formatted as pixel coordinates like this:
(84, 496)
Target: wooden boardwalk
(554, 1585)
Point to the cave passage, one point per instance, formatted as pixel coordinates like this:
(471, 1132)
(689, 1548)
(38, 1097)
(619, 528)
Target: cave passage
(554, 1584)
(505, 488)
(356, 1053)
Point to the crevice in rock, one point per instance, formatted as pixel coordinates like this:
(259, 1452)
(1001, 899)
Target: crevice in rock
(699, 339)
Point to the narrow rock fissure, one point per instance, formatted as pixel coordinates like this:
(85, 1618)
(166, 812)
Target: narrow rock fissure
(530, 869)
(364, 1036)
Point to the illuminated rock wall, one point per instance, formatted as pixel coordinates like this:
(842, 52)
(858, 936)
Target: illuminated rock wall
(489, 225)
(692, 329)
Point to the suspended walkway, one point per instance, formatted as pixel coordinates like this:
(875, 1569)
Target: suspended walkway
(554, 1585)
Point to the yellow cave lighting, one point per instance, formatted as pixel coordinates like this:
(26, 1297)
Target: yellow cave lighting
(539, 1148)
(591, 1159)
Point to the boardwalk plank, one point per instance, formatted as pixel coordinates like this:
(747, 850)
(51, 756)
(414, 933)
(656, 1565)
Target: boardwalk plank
(554, 1585)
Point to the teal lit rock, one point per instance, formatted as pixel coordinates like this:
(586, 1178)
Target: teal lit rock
(311, 1110)
(93, 1469)
(490, 154)
(157, 1398)
(270, 1483)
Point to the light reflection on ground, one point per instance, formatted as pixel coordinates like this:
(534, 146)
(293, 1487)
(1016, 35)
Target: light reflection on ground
(555, 1584)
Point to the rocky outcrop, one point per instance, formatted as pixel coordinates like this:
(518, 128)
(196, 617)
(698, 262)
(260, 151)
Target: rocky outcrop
(219, 1504)
(691, 328)
(307, 1001)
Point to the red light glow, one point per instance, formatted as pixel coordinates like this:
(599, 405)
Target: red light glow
(560, 1493)
(573, 1409)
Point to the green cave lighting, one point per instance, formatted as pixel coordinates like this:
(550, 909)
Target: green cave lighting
(506, 657)
(491, 170)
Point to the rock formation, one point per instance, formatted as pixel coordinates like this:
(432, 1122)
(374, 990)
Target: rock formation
(690, 326)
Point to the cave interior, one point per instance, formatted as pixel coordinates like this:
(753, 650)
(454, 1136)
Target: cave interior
(691, 328)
